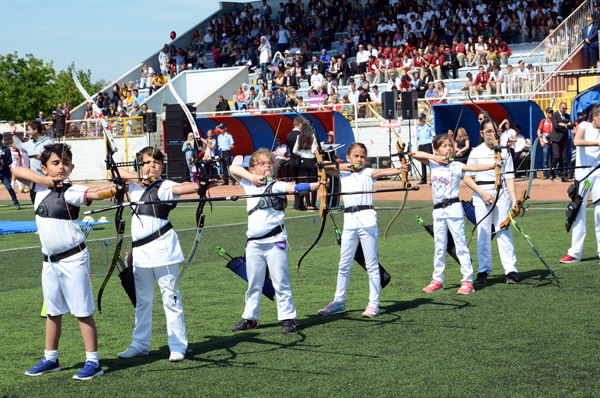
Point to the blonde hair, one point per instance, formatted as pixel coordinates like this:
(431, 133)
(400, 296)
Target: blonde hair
(260, 152)
(461, 133)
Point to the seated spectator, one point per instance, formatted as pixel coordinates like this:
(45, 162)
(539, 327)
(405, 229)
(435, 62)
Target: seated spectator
(372, 70)
(243, 58)
(270, 99)
(240, 99)
(375, 96)
(222, 105)
(442, 93)
(316, 79)
(289, 80)
(298, 71)
(502, 50)
(331, 86)
(481, 81)
(291, 99)
(393, 81)
(363, 98)
(158, 80)
(417, 84)
(277, 81)
(496, 83)
(251, 96)
(145, 77)
(459, 50)
(280, 99)
(431, 92)
(469, 86)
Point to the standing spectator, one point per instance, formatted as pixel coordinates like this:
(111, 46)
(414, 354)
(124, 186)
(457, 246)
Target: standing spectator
(17, 161)
(265, 54)
(189, 148)
(5, 173)
(544, 131)
(590, 44)
(362, 58)
(34, 147)
(294, 161)
(425, 133)
(561, 124)
(281, 156)
(226, 143)
(265, 10)
(163, 59)
(41, 117)
(283, 39)
(60, 123)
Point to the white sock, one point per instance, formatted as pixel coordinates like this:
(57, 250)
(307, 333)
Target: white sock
(51, 355)
(92, 356)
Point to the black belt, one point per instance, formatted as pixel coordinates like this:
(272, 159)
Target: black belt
(485, 182)
(446, 203)
(53, 258)
(354, 209)
(275, 231)
(153, 236)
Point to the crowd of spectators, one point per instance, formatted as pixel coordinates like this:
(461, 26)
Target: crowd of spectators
(379, 39)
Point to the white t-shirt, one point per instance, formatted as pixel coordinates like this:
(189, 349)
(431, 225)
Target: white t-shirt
(484, 155)
(507, 135)
(166, 249)
(263, 221)
(358, 181)
(445, 185)
(587, 155)
(58, 235)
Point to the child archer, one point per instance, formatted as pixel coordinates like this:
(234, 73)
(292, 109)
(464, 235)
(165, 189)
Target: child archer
(360, 224)
(156, 255)
(65, 273)
(267, 239)
(448, 213)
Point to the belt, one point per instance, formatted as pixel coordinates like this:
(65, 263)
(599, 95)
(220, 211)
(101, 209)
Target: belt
(153, 236)
(446, 203)
(485, 182)
(53, 258)
(275, 231)
(354, 209)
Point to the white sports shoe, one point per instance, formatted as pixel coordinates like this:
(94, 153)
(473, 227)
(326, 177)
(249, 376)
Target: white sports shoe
(177, 356)
(131, 352)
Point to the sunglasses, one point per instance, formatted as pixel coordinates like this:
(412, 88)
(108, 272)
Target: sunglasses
(266, 164)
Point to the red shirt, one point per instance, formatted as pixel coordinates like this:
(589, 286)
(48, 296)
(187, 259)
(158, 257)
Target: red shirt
(482, 79)
(546, 126)
(458, 48)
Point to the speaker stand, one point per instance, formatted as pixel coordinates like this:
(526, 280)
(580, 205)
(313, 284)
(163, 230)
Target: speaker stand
(414, 170)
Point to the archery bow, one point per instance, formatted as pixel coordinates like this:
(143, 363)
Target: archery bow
(322, 175)
(115, 177)
(497, 168)
(401, 147)
(202, 188)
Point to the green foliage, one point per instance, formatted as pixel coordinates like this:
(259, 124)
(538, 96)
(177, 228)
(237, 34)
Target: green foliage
(29, 85)
(527, 340)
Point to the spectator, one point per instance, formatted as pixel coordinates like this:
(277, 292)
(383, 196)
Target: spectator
(283, 37)
(481, 81)
(6, 159)
(41, 117)
(164, 57)
(590, 44)
(280, 98)
(459, 50)
(561, 124)
(316, 79)
(450, 62)
(158, 80)
(442, 92)
(362, 58)
(265, 53)
(60, 123)
(146, 77)
(289, 80)
(222, 105)
(496, 83)
(240, 99)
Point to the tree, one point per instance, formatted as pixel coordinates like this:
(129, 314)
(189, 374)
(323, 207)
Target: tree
(29, 85)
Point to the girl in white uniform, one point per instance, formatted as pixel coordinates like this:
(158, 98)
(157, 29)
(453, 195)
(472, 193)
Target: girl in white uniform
(267, 240)
(65, 272)
(587, 141)
(156, 255)
(360, 224)
(482, 184)
(448, 213)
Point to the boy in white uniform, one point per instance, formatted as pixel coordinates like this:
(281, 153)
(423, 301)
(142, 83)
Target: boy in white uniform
(448, 213)
(267, 240)
(482, 184)
(360, 225)
(156, 255)
(65, 273)
(587, 141)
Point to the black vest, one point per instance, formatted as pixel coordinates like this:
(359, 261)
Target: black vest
(157, 210)
(55, 206)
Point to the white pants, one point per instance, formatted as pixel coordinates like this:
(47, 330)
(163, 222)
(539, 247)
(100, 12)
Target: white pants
(579, 227)
(506, 247)
(144, 294)
(259, 256)
(368, 240)
(66, 286)
(440, 234)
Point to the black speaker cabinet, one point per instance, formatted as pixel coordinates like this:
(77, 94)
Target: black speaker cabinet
(149, 119)
(388, 105)
(410, 109)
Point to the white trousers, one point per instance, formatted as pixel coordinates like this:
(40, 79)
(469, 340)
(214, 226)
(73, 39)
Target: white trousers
(259, 256)
(506, 247)
(368, 240)
(144, 294)
(579, 227)
(440, 234)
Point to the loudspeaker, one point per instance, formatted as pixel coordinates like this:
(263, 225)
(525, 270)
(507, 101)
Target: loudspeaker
(149, 121)
(384, 162)
(388, 105)
(177, 169)
(410, 108)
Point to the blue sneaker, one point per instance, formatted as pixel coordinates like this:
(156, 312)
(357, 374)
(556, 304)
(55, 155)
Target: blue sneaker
(333, 308)
(44, 366)
(90, 370)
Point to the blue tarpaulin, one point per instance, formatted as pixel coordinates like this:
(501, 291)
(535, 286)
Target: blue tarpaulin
(17, 227)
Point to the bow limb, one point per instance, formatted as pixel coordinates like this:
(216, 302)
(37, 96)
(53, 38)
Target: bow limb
(497, 168)
(401, 147)
(115, 177)
(202, 188)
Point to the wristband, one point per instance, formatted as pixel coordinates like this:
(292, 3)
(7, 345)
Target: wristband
(302, 187)
(107, 195)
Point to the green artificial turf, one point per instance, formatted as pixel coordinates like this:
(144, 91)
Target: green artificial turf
(533, 339)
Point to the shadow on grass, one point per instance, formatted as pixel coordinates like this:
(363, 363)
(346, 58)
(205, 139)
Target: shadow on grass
(536, 278)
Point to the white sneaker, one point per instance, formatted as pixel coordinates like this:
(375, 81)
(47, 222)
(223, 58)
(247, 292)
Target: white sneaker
(177, 356)
(131, 352)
